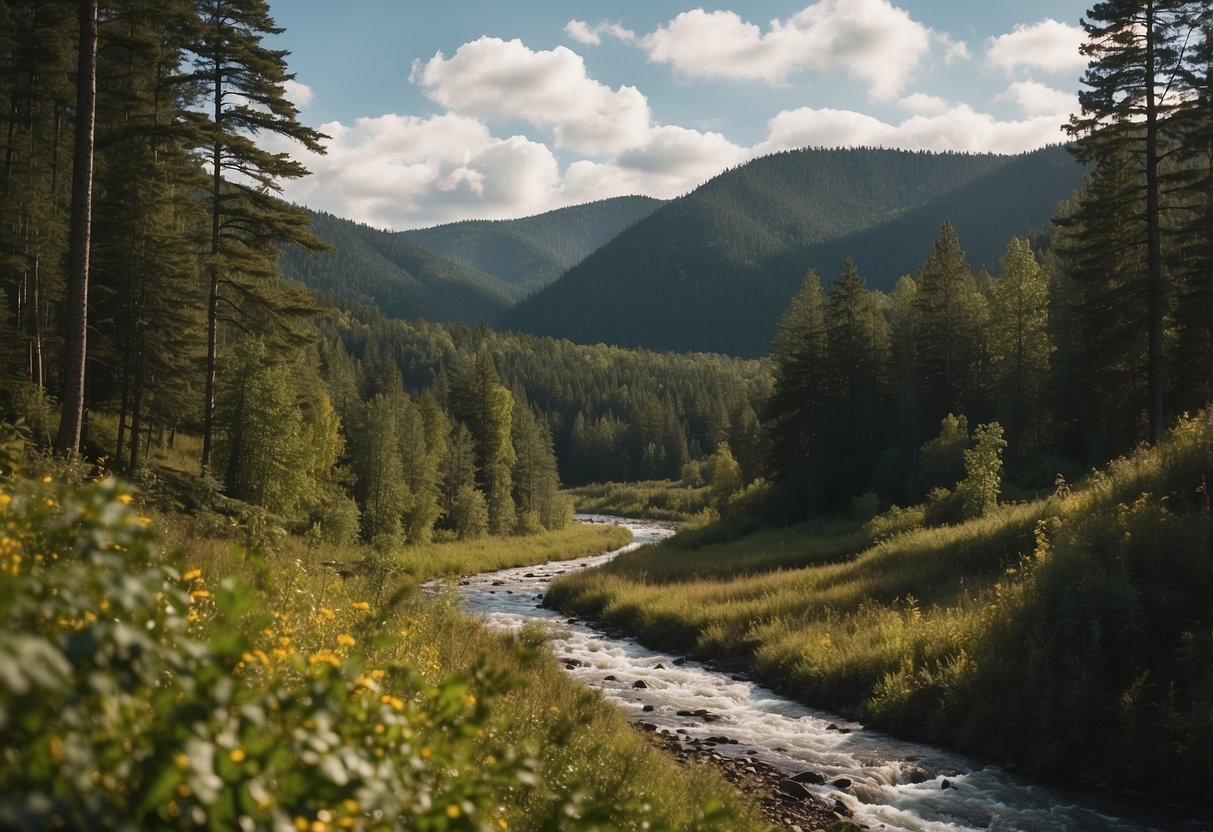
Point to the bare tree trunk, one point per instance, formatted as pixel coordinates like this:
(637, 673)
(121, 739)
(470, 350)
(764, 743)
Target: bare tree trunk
(71, 423)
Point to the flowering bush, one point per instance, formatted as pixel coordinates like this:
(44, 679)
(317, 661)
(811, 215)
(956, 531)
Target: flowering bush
(135, 695)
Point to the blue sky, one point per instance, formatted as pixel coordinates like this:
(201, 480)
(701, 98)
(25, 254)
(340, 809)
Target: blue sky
(475, 109)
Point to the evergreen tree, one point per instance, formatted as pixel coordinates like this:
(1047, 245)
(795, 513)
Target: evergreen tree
(263, 451)
(71, 423)
(947, 330)
(1134, 59)
(1019, 344)
(792, 414)
(243, 81)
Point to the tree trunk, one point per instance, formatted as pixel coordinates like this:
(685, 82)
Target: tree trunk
(72, 421)
(1155, 367)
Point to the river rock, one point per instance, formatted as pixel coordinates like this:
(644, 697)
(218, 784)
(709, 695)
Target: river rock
(841, 783)
(840, 808)
(945, 784)
(640, 684)
(794, 790)
(810, 777)
(609, 679)
(648, 708)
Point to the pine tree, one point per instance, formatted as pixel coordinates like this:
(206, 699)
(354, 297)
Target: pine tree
(1134, 57)
(792, 414)
(243, 81)
(71, 423)
(947, 330)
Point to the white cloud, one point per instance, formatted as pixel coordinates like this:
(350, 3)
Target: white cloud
(504, 80)
(298, 94)
(583, 32)
(953, 50)
(872, 40)
(1036, 99)
(1048, 45)
(924, 105)
(959, 129)
(401, 171)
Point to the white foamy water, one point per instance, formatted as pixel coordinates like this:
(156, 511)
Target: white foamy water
(893, 785)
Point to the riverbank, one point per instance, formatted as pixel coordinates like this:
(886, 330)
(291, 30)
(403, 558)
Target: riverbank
(1070, 636)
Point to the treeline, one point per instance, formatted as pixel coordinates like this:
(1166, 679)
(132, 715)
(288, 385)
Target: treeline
(1077, 351)
(613, 414)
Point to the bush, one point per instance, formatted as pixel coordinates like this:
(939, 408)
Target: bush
(133, 696)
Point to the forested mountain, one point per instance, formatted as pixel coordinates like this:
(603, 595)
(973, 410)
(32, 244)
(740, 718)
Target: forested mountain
(396, 274)
(534, 251)
(714, 268)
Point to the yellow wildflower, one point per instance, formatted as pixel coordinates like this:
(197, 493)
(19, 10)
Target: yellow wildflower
(125, 499)
(361, 605)
(5, 499)
(192, 575)
(237, 755)
(346, 640)
(326, 613)
(452, 811)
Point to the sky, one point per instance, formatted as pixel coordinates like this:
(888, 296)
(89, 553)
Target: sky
(484, 109)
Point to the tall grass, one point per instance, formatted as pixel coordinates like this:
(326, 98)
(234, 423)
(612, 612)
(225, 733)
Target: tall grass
(652, 500)
(593, 770)
(1073, 633)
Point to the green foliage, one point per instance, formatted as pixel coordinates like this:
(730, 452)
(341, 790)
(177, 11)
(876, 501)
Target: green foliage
(1065, 634)
(132, 694)
(470, 514)
(942, 459)
(982, 483)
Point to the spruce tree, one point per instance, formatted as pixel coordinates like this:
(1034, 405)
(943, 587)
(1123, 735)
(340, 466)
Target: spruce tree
(793, 414)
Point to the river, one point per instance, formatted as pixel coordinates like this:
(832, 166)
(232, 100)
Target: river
(893, 784)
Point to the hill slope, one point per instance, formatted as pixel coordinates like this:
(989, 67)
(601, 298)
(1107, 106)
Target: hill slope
(532, 252)
(711, 271)
(397, 275)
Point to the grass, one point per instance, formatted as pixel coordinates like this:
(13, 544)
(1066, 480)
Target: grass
(593, 770)
(1069, 633)
(651, 500)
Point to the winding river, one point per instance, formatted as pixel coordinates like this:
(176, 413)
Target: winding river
(893, 785)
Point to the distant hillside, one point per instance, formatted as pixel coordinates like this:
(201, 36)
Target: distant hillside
(397, 275)
(532, 252)
(711, 271)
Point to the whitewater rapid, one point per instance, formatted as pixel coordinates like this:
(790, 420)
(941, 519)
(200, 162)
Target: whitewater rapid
(886, 783)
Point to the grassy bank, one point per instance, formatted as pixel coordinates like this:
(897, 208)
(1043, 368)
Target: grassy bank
(1072, 634)
(193, 684)
(652, 500)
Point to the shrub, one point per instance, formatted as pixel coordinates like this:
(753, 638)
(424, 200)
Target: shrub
(132, 696)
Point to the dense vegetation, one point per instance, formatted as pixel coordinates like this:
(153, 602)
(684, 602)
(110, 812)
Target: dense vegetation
(715, 267)
(532, 252)
(1069, 634)
(157, 673)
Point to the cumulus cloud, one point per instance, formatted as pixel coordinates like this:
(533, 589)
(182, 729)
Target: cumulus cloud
(505, 80)
(959, 129)
(1048, 45)
(584, 33)
(407, 172)
(871, 40)
(298, 94)
(1036, 99)
(922, 104)
(402, 171)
